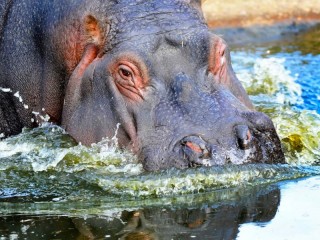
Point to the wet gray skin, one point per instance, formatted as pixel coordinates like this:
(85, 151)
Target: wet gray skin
(148, 71)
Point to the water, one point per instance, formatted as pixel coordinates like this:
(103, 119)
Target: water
(293, 220)
(51, 187)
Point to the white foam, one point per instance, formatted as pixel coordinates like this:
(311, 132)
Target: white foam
(5, 90)
(53, 158)
(17, 95)
(40, 116)
(7, 150)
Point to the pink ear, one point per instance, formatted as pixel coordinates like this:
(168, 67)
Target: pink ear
(95, 30)
(90, 53)
(93, 39)
(218, 61)
(73, 87)
(94, 34)
(221, 69)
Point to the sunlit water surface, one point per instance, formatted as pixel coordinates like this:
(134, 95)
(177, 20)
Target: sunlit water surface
(51, 187)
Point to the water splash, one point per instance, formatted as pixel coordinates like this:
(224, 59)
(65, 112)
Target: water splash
(46, 163)
(269, 79)
(299, 132)
(176, 182)
(49, 147)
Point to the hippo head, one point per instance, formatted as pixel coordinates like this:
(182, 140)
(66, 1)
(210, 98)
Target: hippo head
(155, 70)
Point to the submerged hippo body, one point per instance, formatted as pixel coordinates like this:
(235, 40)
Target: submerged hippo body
(149, 71)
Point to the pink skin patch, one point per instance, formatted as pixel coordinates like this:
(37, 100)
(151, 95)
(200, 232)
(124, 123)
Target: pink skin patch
(194, 147)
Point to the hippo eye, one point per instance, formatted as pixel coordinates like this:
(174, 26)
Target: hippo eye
(125, 72)
(128, 78)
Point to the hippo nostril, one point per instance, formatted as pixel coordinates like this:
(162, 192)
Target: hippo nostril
(244, 136)
(196, 146)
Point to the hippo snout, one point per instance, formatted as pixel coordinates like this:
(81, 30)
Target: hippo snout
(255, 142)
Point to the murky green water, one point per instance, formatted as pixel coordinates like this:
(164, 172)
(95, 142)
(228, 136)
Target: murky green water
(51, 187)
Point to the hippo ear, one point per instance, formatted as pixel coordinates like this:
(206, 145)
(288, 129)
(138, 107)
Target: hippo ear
(221, 69)
(96, 30)
(95, 34)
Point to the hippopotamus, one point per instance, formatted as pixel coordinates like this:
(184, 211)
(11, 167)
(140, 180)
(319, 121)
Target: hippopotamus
(149, 72)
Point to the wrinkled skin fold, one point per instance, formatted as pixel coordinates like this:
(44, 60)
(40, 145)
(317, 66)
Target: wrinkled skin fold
(149, 70)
